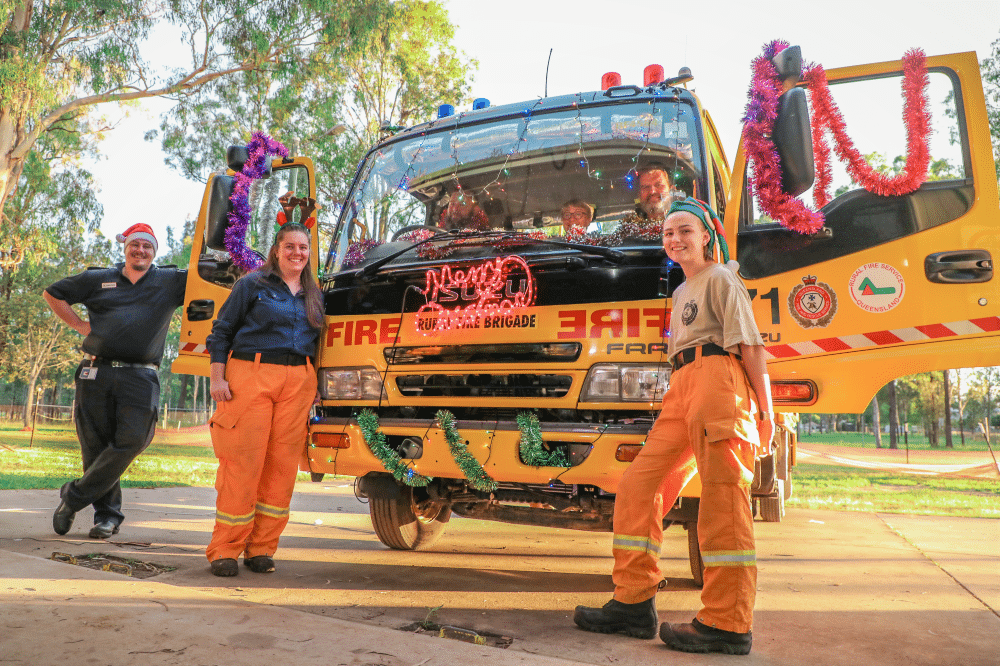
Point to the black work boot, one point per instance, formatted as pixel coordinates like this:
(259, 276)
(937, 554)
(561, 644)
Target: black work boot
(636, 620)
(696, 637)
(62, 519)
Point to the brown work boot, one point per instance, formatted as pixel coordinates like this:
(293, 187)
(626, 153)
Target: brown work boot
(696, 637)
(636, 620)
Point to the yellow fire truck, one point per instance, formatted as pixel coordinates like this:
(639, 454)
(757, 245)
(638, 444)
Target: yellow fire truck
(510, 370)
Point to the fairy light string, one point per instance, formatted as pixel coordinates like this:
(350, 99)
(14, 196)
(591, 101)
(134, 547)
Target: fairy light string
(473, 471)
(376, 442)
(532, 448)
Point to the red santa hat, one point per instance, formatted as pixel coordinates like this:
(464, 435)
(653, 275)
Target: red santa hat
(138, 232)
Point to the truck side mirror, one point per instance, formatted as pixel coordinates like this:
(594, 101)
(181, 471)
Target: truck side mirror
(793, 140)
(217, 214)
(237, 156)
(792, 136)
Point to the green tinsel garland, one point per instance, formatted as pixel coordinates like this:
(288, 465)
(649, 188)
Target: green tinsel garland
(375, 439)
(473, 471)
(533, 451)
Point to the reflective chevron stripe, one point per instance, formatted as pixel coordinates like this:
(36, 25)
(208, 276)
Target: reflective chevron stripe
(882, 338)
(230, 519)
(193, 347)
(638, 544)
(272, 511)
(729, 558)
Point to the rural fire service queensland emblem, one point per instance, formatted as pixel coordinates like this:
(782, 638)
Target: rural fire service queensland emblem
(812, 303)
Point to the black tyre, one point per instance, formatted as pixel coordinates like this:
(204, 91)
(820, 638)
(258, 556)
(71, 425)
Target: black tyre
(694, 554)
(772, 509)
(402, 523)
(316, 476)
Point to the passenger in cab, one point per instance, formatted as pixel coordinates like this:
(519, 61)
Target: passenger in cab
(576, 213)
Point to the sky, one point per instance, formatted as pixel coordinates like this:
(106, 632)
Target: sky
(512, 41)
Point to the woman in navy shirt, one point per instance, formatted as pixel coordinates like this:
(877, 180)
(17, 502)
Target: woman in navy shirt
(263, 349)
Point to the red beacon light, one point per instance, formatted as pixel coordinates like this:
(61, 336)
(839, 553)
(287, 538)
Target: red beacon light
(652, 75)
(610, 80)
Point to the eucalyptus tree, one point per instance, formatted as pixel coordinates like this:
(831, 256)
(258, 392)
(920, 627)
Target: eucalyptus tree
(330, 103)
(59, 58)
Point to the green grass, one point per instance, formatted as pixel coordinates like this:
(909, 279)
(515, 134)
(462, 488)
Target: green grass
(52, 457)
(855, 489)
(916, 442)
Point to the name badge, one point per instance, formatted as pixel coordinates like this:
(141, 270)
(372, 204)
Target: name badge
(108, 285)
(88, 373)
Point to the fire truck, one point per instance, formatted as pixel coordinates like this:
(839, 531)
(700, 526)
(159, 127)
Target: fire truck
(507, 369)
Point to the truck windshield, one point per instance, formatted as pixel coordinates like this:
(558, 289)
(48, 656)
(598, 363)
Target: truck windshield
(561, 171)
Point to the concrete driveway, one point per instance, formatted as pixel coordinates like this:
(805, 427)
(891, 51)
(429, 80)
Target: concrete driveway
(834, 588)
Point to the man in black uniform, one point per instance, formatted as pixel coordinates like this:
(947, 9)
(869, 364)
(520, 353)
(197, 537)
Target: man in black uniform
(129, 308)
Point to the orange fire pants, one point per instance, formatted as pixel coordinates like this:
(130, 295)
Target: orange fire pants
(706, 417)
(259, 437)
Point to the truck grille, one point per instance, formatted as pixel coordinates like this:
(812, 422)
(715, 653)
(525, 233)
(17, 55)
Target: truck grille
(487, 386)
(529, 352)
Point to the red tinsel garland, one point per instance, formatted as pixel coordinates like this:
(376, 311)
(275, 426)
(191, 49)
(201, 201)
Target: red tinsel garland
(826, 116)
(758, 123)
(765, 89)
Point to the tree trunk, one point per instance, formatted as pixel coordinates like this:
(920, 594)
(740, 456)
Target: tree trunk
(876, 422)
(893, 417)
(194, 397)
(947, 410)
(185, 382)
(29, 403)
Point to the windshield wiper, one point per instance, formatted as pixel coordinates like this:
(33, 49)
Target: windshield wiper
(372, 268)
(615, 256)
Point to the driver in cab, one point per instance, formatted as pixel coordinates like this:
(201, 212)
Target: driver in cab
(464, 213)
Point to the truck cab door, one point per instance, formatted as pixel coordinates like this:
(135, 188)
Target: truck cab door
(891, 286)
(211, 273)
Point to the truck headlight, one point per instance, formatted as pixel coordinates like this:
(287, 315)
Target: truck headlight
(622, 382)
(351, 384)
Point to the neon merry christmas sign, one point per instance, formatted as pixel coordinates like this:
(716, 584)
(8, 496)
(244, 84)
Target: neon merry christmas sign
(483, 293)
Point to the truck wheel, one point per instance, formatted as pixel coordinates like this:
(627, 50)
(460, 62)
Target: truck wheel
(403, 525)
(316, 476)
(772, 509)
(694, 554)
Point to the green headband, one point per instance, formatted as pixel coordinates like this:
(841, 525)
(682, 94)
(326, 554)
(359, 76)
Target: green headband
(704, 212)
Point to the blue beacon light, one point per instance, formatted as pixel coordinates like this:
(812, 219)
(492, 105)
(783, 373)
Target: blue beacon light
(446, 110)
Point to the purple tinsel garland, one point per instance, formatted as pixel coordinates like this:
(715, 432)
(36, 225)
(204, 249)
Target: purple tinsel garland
(259, 148)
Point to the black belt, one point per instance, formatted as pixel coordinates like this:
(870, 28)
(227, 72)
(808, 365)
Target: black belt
(272, 359)
(685, 356)
(98, 360)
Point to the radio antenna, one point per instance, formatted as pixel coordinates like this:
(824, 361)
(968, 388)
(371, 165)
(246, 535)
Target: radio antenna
(547, 73)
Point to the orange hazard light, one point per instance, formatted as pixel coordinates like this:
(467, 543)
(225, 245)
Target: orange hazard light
(794, 392)
(627, 452)
(331, 441)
